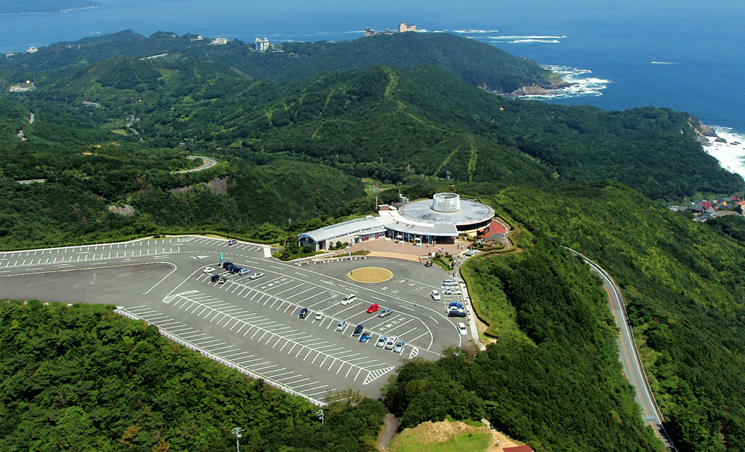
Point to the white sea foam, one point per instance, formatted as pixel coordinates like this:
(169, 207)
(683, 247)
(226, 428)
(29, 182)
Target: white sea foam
(731, 155)
(662, 62)
(542, 41)
(582, 84)
(469, 32)
(527, 39)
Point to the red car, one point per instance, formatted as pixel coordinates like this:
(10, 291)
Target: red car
(373, 308)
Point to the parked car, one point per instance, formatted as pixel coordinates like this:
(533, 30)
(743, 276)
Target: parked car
(348, 299)
(449, 283)
(222, 280)
(452, 291)
(385, 312)
(390, 343)
(234, 269)
(456, 305)
(435, 295)
(357, 330)
(319, 315)
(256, 276)
(209, 269)
(340, 326)
(215, 278)
(232, 242)
(373, 308)
(365, 336)
(226, 264)
(462, 329)
(244, 271)
(399, 346)
(303, 313)
(456, 313)
(381, 341)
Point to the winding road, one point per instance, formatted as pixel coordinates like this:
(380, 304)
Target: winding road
(629, 356)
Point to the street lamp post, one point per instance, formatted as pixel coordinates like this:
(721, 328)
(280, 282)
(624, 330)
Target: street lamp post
(320, 415)
(237, 432)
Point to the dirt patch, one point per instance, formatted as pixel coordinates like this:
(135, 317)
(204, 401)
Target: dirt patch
(215, 186)
(482, 327)
(370, 275)
(125, 210)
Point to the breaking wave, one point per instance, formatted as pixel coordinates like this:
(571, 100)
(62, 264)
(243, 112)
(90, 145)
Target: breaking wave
(474, 32)
(731, 153)
(527, 39)
(582, 84)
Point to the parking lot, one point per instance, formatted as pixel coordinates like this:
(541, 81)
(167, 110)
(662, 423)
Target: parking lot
(253, 324)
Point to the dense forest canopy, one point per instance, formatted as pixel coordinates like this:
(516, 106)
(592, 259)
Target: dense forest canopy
(83, 378)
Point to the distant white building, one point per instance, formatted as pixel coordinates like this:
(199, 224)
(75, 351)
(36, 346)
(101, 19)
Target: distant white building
(403, 28)
(32, 49)
(198, 38)
(219, 42)
(262, 44)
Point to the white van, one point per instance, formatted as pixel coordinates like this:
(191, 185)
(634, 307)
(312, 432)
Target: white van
(348, 299)
(449, 282)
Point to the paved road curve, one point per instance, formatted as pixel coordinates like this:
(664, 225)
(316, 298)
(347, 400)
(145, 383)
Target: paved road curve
(629, 357)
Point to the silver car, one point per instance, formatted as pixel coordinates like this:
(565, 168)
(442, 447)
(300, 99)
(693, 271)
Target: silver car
(385, 312)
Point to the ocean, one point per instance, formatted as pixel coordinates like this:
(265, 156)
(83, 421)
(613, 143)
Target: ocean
(683, 55)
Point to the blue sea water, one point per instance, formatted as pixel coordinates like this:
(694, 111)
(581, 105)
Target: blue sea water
(685, 55)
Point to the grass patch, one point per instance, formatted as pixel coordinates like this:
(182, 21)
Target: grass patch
(445, 436)
(467, 442)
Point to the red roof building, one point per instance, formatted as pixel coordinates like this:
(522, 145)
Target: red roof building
(518, 449)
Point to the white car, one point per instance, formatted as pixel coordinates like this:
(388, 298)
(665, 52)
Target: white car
(319, 315)
(209, 269)
(462, 329)
(256, 276)
(452, 291)
(435, 295)
(348, 299)
(390, 343)
(449, 283)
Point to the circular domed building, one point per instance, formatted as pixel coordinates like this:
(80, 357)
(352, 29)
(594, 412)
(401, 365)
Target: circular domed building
(439, 220)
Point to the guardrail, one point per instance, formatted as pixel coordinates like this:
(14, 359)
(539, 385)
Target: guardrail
(227, 362)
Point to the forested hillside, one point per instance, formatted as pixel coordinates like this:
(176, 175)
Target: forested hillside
(474, 62)
(681, 283)
(391, 122)
(557, 384)
(83, 378)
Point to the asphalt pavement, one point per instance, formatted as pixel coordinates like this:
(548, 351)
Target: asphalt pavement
(250, 324)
